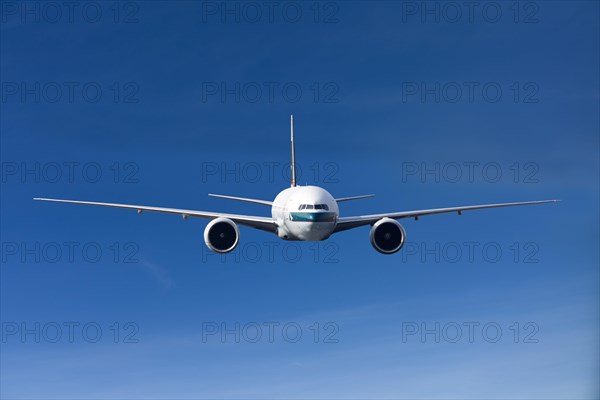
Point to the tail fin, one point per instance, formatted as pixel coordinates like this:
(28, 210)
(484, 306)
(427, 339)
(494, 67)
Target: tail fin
(293, 165)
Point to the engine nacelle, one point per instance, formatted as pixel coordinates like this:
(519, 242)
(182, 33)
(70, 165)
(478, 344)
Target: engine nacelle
(387, 236)
(221, 235)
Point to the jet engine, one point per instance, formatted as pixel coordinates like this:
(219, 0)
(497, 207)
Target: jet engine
(387, 236)
(221, 235)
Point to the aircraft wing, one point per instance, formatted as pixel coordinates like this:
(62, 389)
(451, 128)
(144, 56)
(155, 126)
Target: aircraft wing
(262, 223)
(345, 223)
(364, 196)
(263, 202)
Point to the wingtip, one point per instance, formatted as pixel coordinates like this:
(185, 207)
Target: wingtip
(547, 201)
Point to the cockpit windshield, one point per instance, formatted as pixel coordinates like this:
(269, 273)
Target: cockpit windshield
(314, 207)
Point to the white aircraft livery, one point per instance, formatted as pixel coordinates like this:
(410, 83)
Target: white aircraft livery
(307, 213)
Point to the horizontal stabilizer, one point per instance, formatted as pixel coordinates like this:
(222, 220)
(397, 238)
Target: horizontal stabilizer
(264, 202)
(354, 197)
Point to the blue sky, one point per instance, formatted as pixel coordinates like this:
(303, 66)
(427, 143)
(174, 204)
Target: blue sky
(161, 103)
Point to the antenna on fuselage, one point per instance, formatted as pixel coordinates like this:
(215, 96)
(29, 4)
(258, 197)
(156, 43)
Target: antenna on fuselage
(293, 165)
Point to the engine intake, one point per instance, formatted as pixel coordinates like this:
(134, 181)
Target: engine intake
(387, 236)
(221, 235)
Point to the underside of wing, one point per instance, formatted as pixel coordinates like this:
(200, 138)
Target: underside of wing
(262, 223)
(346, 223)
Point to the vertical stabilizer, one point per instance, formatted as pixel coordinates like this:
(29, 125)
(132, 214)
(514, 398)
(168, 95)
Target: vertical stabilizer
(293, 165)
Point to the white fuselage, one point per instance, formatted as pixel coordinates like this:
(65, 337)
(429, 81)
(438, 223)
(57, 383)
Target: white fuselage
(306, 213)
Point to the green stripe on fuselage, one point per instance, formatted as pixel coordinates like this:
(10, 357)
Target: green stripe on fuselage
(312, 216)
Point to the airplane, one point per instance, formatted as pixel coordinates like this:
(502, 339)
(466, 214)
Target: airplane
(304, 213)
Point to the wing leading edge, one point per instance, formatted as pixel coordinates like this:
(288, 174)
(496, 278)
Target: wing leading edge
(263, 202)
(365, 196)
(262, 223)
(346, 223)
